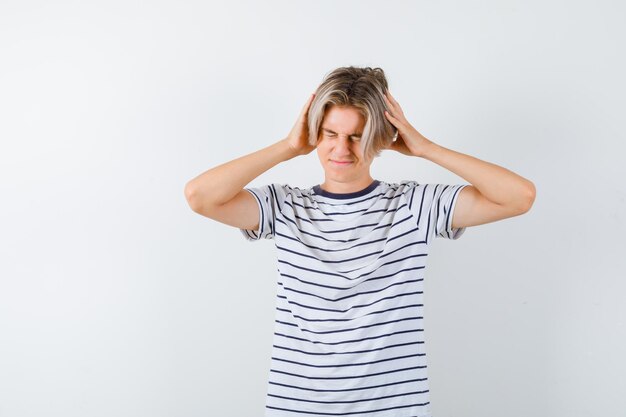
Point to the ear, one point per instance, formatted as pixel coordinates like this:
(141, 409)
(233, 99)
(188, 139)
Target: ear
(395, 135)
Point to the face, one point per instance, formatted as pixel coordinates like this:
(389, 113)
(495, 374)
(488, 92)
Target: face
(339, 150)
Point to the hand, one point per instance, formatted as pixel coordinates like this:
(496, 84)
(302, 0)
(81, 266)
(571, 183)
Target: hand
(298, 138)
(409, 141)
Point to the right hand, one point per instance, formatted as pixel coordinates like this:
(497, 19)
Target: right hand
(298, 138)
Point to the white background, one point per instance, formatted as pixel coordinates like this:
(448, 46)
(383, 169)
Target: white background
(117, 300)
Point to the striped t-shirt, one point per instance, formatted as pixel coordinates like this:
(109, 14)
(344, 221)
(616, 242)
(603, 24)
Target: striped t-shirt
(348, 337)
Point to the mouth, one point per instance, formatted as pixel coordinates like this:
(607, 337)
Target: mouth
(341, 163)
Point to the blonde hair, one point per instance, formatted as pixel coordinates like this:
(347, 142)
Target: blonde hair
(362, 89)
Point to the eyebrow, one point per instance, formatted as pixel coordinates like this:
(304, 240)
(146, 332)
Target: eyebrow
(356, 135)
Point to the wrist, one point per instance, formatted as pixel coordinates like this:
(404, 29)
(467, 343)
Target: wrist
(285, 150)
(429, 150)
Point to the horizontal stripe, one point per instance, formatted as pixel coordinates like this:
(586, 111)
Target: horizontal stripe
(312, 283)
(358, 294)
(343, 365)
(303, 376)
(361, 388)
(350, 402)
(347, 413)
(348, 340)
(366, 304)
(335, 320)
(352, 352)
(352, 328)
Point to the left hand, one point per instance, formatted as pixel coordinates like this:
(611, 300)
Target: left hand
(409, 141)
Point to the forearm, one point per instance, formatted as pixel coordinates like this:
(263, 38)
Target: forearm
(220, 184)
(496, 183)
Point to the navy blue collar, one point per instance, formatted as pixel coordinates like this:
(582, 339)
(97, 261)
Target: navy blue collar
(319, 191)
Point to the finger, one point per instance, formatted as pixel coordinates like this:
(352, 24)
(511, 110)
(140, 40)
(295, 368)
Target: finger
(397, 110)
(305, 109)
(390, 107)
(395, 104)
(389, 103)
(309, 101)
(392, 119)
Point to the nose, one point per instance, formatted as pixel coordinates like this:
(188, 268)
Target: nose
(342, 145)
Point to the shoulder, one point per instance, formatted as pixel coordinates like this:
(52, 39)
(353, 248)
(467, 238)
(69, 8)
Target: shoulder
(402, 187)
(414, 193)
(412, 187)
(290, 192)
(282, 192)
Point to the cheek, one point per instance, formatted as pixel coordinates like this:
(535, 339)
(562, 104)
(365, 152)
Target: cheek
(358, 151)
(322, 146)
(320, 152)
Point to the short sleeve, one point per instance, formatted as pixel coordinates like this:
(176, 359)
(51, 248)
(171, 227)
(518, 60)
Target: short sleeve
(433, 205)
(266, 199)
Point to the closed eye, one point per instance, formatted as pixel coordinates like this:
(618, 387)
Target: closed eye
(331, 134)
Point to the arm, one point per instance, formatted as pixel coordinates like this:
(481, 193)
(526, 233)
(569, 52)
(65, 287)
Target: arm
(221, 184)
(496, 193)
(218, 193)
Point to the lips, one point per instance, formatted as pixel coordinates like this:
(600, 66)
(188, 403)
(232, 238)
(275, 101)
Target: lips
(341, 163)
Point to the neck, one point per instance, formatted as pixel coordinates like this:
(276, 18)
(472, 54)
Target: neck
(342, 187)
